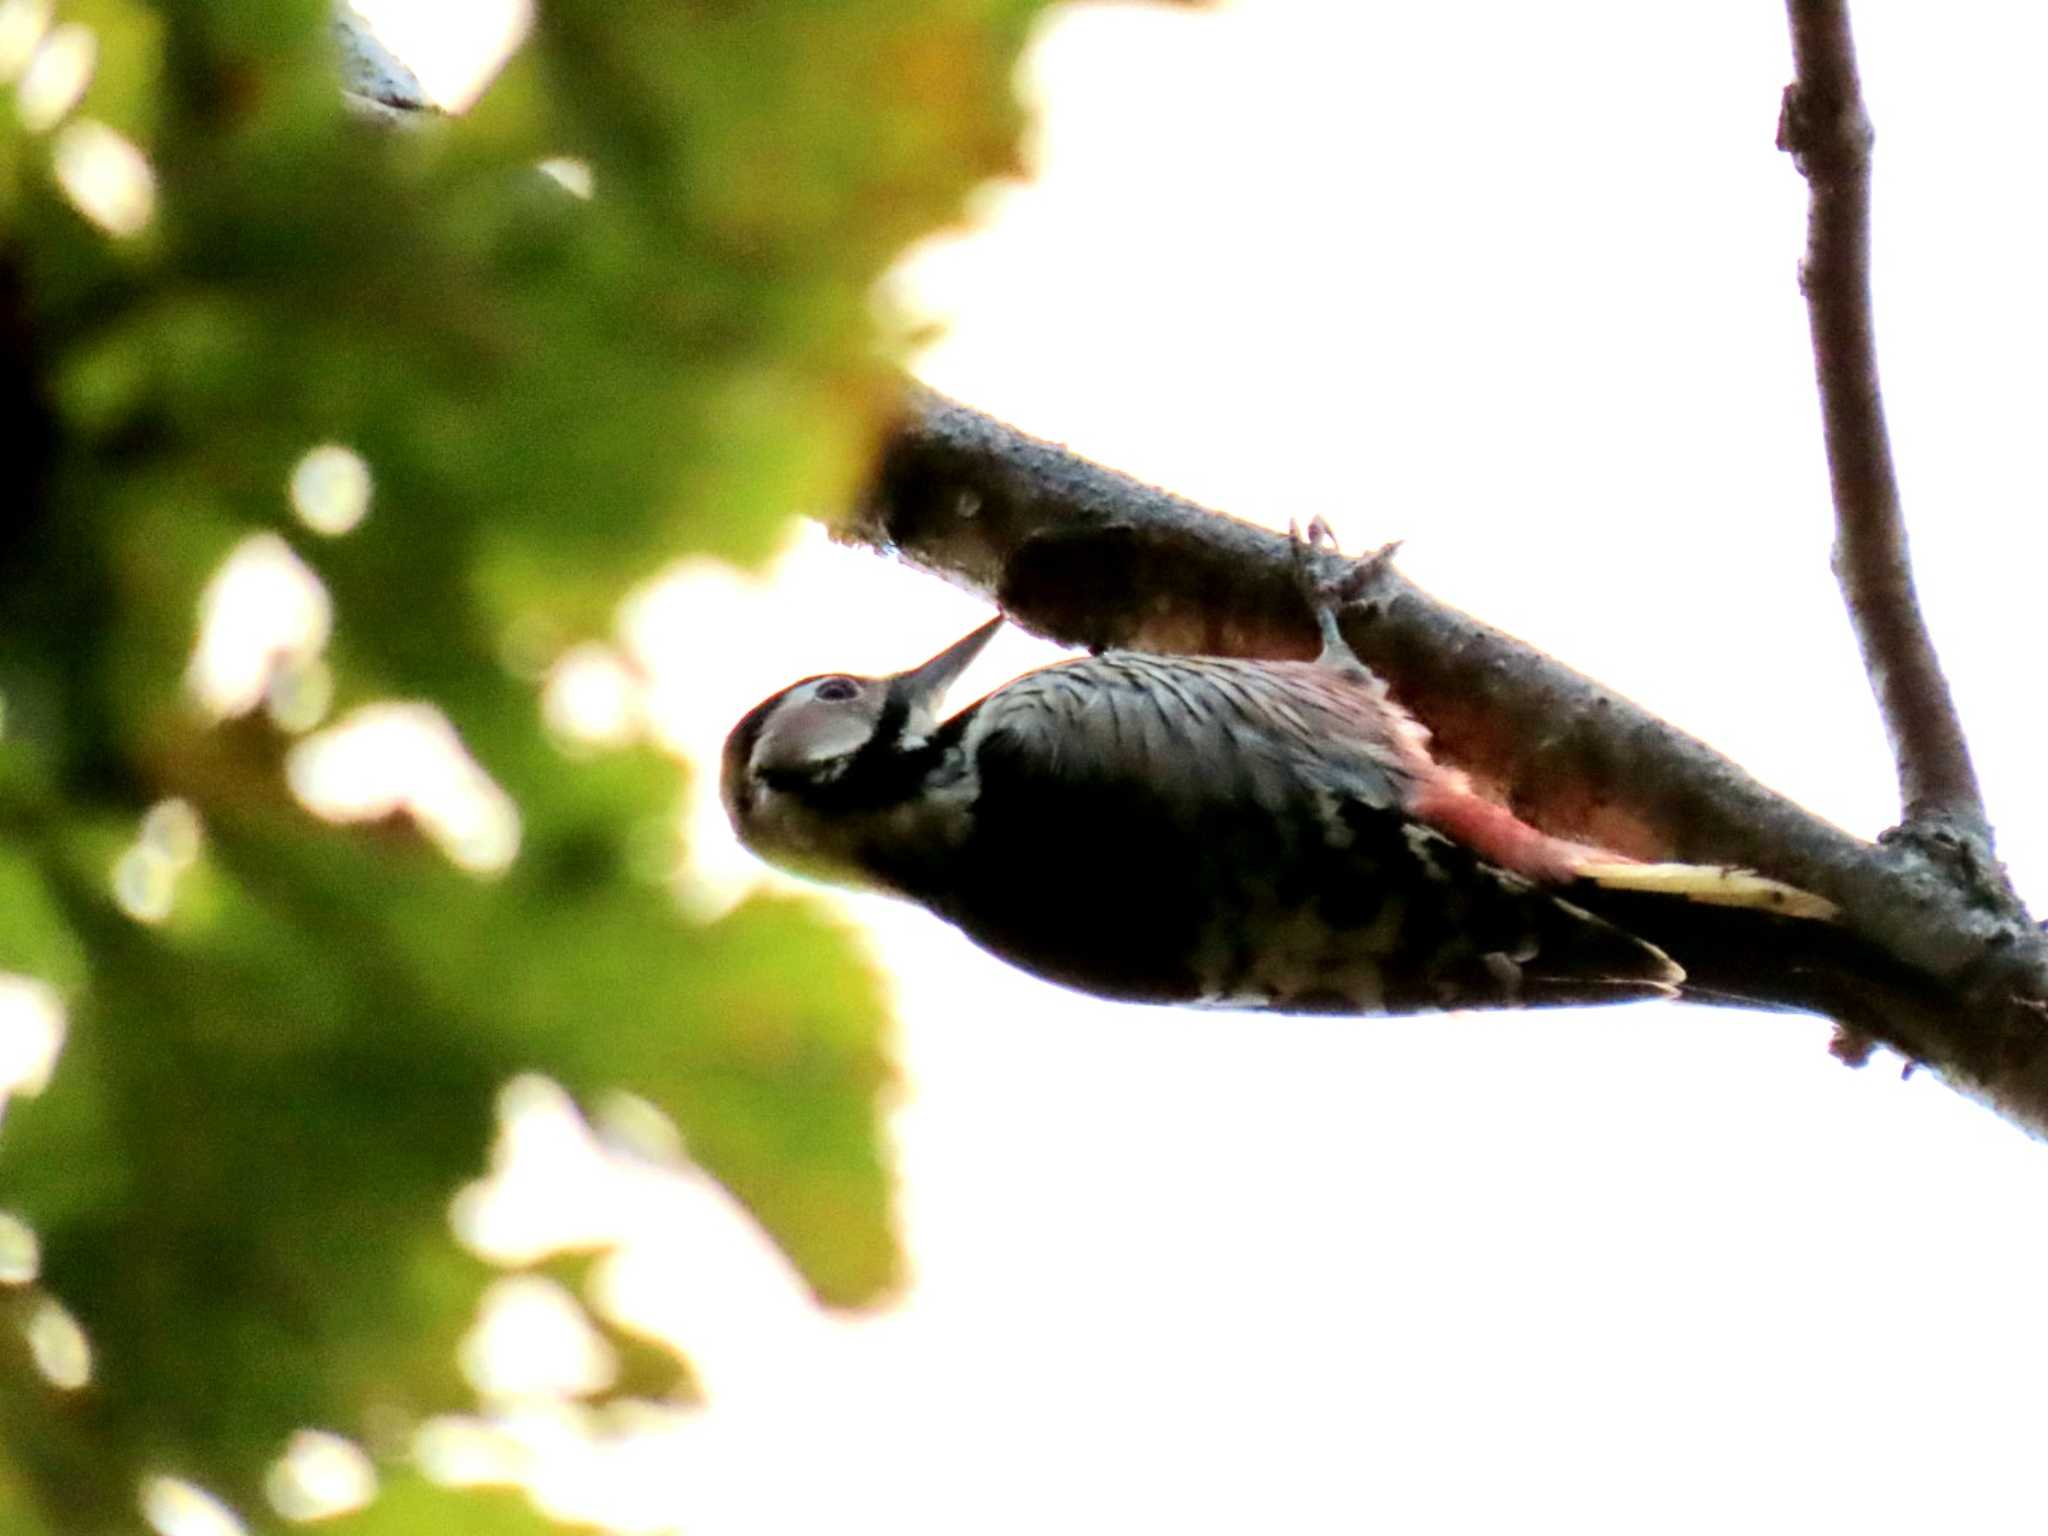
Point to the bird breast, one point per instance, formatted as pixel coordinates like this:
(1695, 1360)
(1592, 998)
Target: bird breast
(1222, 831)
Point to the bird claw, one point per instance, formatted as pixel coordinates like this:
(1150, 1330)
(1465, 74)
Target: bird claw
(1358, 574)
(1327, 595)
(1317, 590)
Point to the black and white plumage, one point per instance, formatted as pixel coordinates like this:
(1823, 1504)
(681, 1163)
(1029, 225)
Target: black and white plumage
(1181, 829)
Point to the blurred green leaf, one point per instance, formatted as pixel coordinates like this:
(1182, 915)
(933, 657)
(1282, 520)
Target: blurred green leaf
(412, 1506)
(648, 1369)
(128, 59)
(272, 1087)
(34, 937)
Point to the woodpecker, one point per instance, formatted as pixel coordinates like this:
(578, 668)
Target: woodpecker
(1204, 830)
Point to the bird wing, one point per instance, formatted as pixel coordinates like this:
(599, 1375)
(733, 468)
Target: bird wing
(1198, 729)
(1212, 829)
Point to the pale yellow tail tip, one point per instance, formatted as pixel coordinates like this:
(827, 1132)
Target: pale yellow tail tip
(1712, 884)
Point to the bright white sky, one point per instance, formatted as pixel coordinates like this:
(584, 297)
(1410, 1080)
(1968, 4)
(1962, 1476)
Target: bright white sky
(1513, 283)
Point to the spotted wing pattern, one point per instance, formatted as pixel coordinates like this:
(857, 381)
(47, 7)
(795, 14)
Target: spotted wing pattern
(1239, 833)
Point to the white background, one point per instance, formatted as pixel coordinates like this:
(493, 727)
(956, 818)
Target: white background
(1516, 284)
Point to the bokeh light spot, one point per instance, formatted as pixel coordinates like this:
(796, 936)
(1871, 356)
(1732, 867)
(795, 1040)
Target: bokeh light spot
(172, 828)
(144, 883)
(145, 877)
(593, 698)
(319, 1476)
(547, 1189)
(330, 489)
(572, 175)
(21, 1252)
(300, 694)
(22, 25)
(31, 1033)
(174, 1507)
(387, 759)
(466, 1452)
(264, 609)
(58, 1345)
(57, 74)
(106, 177)
(533, 1339)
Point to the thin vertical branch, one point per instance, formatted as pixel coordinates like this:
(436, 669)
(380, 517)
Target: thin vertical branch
(1826, 130)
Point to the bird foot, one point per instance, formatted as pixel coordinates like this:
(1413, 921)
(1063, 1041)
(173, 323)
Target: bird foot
(1325, 593)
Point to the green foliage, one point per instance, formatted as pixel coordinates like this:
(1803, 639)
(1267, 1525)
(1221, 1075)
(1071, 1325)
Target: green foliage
(268, 1093)
(414, 1507)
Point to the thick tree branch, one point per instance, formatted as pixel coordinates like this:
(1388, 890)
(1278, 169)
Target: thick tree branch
(1091, 557)
(1824, 127)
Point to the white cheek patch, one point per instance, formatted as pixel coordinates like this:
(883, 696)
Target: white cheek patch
(809, 732)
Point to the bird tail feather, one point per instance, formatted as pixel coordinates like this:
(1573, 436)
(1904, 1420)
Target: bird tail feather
(1710, 884)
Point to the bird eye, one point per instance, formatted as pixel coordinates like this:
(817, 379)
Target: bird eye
(837, 690)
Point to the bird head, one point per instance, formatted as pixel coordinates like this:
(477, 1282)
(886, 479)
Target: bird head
(808, 771)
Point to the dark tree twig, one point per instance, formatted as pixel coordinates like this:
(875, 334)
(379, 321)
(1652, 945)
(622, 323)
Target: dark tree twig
(1825, 129)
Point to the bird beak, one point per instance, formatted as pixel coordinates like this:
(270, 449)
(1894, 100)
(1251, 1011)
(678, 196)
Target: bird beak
(924, 688)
